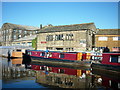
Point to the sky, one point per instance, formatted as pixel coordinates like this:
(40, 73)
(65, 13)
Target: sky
(103, 14)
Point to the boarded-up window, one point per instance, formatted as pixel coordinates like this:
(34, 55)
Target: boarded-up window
(116, 38)
(102, 38)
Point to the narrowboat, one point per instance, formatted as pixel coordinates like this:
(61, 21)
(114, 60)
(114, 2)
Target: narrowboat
(110, 62)
(54, 56)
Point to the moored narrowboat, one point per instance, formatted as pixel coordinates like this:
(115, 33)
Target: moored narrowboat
(110, 62)
(54, 56)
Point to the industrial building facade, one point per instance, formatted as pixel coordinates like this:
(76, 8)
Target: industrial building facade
(108, 37)
(78, 37)
(25, 41)
(11, 32)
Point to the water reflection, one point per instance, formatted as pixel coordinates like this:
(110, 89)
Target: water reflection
(62, 77)
(15, 72)
(14, 75)
(106, 79)
(74, 78)
(56, 76)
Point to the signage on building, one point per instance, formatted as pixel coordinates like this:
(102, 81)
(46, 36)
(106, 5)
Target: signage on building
(43, 42)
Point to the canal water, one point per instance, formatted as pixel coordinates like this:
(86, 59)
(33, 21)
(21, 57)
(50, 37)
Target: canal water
(14, 75)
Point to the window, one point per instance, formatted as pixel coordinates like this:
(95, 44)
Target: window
(61, 70)
(116, 49)
(49, 48)
(14, 31)
(69, 49)
(14, 37)
(49, 38)
(42, 54)
(116, 38)
(7, 31)
(25, 32)
(82, 41)
(18, 43)
(69, 36)
(61, 55)
(102, 38)
(61, 37)
(118, 59)
(23, 43)
(59, 48)
(29, 53)
(115, 59)
(56, 37)
(29, 43)
(20, 31)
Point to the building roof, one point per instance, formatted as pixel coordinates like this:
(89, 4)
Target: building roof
(16, 26)
(108, 32)
(73, 27)
(26, 38)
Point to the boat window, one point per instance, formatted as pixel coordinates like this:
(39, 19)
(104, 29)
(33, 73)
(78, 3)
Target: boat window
(62, 55)
(61, 71)
(29, 53)
(42, 54)
(115, 59)
(118, 59)
(42, 68)
(49, 54)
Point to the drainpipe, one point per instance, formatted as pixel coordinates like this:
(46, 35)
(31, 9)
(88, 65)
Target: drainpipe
(87, 39)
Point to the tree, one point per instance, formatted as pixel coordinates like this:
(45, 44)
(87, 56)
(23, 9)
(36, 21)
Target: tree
(34, 43)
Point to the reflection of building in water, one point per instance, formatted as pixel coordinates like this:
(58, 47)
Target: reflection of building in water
(62, 80)
(105, 82)
(62, 77)
(15, 72)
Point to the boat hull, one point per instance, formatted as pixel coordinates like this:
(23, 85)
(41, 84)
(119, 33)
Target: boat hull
(110, 68)
(62, 62)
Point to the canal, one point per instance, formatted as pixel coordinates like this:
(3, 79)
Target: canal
(14, 75)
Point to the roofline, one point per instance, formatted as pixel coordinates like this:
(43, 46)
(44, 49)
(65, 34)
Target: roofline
(75, 24)
(109, 29)
(62, 31)
(71, 25)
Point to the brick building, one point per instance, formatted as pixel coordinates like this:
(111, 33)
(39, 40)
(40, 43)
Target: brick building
(108, 37)
(25, 41)
(77, 37)
(11, 32)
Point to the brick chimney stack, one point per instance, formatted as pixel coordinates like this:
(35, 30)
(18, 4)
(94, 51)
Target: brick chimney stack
(40, 26)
